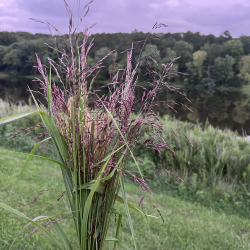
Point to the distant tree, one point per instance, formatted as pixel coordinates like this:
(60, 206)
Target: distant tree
(135, 31)
(185, 51)
(210, 39)
(194, 38)
(213, 50)
(246, 44)
(13, 59)
(170, 55)
(21, 36)
(169, 42)
(2, 53)
(244, 74)
(7, 38)
(225, 36)
(149, 51)
(223, 70)
(205, 58)
(198, 59)
(101, 53)
(233, 48)
(21, 56)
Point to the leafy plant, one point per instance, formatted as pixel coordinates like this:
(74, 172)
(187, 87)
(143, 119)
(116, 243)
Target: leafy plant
(94, 136)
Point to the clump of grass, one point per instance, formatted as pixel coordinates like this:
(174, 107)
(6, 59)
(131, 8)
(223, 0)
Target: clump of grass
(23, 144)
(94, 134)
(9, 109)
(216, 154)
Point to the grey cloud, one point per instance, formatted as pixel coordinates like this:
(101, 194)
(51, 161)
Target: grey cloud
(207, 16)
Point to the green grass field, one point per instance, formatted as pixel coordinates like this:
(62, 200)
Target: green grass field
(186, 226)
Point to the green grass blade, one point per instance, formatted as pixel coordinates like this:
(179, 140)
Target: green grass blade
(107, 157)
(44, 158)
(118, 226)
(121, 200)
(99, 189)
(15, 117)
(88, 206)
(43, 230)
(51, 127)
(49, 91)
(62, 236)
(109, 239)
(85, 186)
(109, 176)
(59, 141)
(123, 245)
(34, 99)
(127, 211)
(62, 151)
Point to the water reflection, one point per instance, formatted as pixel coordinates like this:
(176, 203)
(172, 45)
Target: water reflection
(15, 90)
(225, 108)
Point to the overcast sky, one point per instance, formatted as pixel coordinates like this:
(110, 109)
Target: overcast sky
(205, 16)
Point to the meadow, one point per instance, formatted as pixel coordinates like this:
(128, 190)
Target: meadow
(210, 210)
(186, 225)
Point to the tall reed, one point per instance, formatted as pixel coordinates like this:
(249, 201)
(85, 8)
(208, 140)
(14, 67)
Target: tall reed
(94, 135)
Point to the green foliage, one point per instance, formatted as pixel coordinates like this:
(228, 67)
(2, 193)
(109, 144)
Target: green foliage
(17, 54)
(7, 38)
(185, 51)
(246, 44)
(244, 67)
(21, 143)
(233, 48)
(20, 56)
(223, 69)
(218, 161)
(198, 59)
(2, 53)
(149, 52)
(170, 55)
(213, 50)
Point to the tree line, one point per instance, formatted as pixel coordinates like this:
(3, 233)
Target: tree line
(207, 59)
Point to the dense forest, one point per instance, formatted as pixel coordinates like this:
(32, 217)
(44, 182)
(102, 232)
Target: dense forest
(208, 60)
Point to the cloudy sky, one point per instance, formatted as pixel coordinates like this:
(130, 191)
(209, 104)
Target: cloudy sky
(205, 16)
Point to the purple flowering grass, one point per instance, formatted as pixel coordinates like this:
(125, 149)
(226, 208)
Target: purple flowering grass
(100, 131)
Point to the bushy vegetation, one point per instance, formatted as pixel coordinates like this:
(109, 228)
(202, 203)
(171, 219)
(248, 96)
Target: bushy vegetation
(209, 60)
(215, 170)
(21, 142)
(211, 153)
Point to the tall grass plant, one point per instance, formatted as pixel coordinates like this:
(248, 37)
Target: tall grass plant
(93, 136)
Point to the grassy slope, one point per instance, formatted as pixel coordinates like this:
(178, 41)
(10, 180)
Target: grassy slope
(186, 226)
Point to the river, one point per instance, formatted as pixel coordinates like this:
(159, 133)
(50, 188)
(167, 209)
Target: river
(224, 108)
